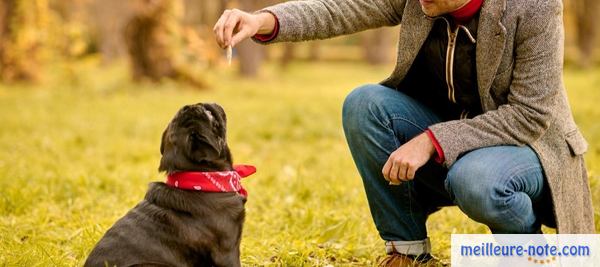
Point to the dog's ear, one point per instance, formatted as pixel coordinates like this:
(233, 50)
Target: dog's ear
(170, 160)
(162, 141)
(199, 148)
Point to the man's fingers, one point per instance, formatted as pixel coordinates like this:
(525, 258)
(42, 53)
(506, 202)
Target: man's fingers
(240, 36)
(219, 22)
(219, 27)
(386, 170)
(410, 173)
(402, 170)
(394, 172)
(230, 26)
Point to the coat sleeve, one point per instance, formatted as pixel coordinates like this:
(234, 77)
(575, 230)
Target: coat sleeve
(321, 19)
(533, 92)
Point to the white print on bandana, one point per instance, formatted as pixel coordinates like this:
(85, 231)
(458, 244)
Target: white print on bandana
(222, 181)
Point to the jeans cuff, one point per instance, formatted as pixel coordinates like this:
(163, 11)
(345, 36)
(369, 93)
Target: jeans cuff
(415, 248)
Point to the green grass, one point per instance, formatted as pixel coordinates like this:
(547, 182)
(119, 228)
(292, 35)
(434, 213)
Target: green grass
(77, 152)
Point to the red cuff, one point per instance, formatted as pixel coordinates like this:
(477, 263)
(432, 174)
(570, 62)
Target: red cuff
(439, 157)
(269, 37)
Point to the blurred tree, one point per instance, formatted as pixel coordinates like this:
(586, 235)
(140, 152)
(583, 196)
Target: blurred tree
(586, 24)
(150, 42)
(378, 46)
(198, 20)
(289, 54)
(314, 52)
(22, 25)
(251, 55)
(108, 18)
(70, 30)
(202, 12)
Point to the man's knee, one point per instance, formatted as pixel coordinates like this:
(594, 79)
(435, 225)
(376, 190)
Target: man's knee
(359, 103)
(463, 184)
(470, 185)
(495, 172)
(361, 98)
(485, 194)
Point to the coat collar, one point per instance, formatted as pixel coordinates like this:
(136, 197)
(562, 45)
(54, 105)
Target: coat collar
(414, 29)
(491, 37)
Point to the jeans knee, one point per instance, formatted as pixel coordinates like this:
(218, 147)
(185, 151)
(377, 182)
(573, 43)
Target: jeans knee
(476, 197)
(358, 104)
(461, 180)
(465, 190)
(480, 194)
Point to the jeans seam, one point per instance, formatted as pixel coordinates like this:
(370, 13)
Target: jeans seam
(405, 189)
(396, 117)
(386, 122)
(409, 183)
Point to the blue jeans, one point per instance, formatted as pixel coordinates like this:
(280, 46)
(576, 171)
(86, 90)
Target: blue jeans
(497, 186)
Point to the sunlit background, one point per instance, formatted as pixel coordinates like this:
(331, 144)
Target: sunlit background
(87, 86)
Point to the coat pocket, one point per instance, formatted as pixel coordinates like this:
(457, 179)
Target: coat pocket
(576, 142)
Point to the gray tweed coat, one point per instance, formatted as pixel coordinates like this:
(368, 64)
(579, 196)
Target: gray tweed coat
(519, 73)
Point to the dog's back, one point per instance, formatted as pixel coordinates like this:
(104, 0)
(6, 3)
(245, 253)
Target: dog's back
(174, 227)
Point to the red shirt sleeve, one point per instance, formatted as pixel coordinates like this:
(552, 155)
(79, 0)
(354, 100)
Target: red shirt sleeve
(439, 157)
(269, 37)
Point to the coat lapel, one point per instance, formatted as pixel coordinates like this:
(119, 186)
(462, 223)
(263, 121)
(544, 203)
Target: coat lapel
(414, 30)
(491, 37)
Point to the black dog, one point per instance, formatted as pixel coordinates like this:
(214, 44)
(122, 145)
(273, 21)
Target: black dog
(177, 227)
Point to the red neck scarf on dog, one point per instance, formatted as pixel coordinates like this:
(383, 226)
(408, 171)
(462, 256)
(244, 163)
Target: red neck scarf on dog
(221, 181)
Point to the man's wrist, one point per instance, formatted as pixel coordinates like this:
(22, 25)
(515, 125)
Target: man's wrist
(430, 147)
(438, 152)
(266, 22)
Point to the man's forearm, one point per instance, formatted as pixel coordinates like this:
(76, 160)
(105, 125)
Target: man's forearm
(322, 19)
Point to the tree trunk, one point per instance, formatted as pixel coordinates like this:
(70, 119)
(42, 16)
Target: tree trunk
(147, 38)
(110, 17)
(377, 46)
(314, 53)
(251, 55)
(7, 15)
(585, 12)
(289, 54)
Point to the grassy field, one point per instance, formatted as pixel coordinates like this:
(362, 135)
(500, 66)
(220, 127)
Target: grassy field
(78, 152)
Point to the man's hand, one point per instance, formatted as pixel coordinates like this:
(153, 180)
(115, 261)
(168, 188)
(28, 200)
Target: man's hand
(235, 25)
(407, 159)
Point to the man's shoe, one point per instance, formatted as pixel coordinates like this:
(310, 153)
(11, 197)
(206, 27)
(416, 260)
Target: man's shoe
(401, 260)
(396, 260)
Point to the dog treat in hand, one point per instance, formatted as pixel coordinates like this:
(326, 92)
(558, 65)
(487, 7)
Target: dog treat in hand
(229, 54)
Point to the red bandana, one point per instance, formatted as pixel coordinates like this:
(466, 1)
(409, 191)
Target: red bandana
(223, 181)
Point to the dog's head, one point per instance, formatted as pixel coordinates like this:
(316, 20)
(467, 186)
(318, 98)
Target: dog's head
(195, 140)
